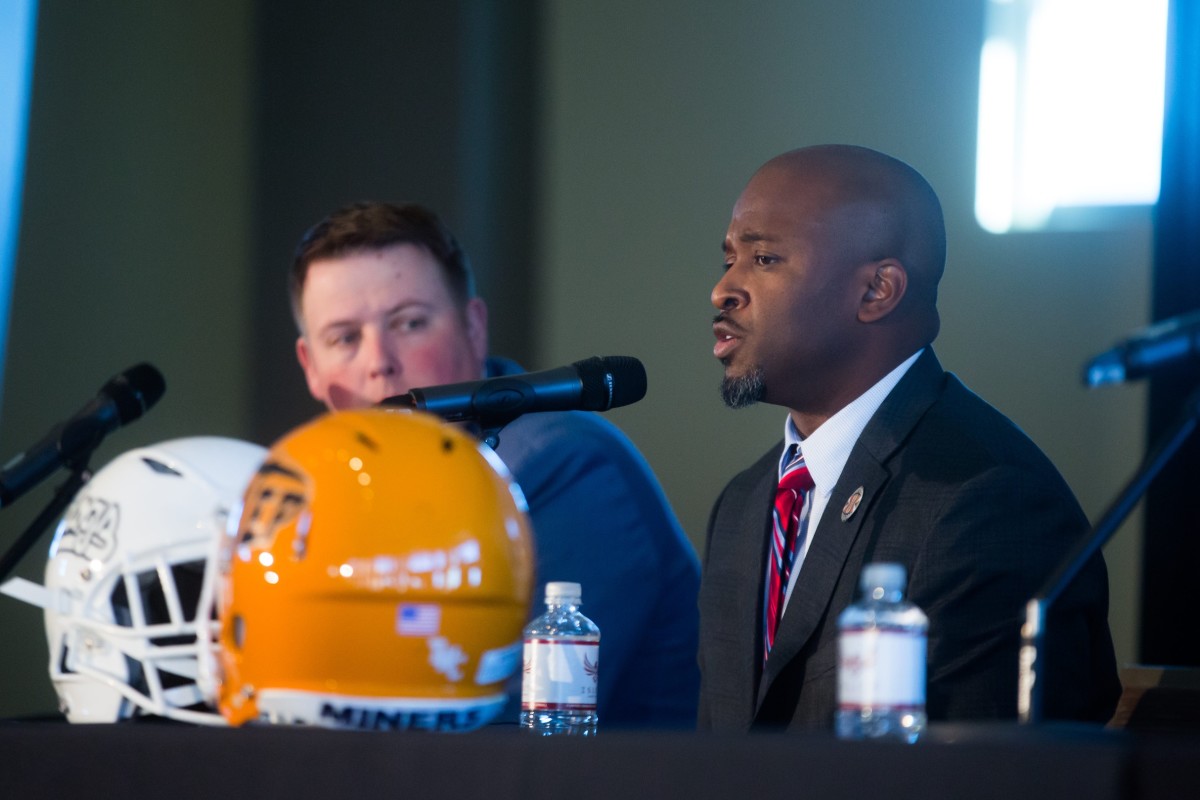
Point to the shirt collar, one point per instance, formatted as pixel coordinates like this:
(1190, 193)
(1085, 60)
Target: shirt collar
(828, 447)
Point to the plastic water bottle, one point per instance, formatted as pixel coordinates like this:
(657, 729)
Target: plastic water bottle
(562, 662)
(881, 660)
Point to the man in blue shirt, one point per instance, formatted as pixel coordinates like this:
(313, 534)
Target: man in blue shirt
(384, 300)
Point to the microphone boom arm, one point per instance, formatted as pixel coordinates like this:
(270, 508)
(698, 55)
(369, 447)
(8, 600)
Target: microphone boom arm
(1029, 688)
(62, 497)
(121, 400)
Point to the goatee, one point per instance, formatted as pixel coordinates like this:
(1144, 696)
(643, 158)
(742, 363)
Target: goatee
(744, 390)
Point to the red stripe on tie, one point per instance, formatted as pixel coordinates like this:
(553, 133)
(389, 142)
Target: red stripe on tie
(789, 505)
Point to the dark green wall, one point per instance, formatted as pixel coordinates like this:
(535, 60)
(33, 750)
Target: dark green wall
(177, 151)
(134, 246)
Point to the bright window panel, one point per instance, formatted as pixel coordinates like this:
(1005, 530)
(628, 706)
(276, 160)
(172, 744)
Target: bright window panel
(1070, 109)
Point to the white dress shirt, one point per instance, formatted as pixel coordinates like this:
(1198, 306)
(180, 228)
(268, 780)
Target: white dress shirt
(826, 450)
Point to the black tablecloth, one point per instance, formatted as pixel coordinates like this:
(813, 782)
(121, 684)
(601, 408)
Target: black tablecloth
(952, 761)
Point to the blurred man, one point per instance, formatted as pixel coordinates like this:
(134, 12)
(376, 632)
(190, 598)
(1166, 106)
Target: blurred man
(827, 307)
(385, 302)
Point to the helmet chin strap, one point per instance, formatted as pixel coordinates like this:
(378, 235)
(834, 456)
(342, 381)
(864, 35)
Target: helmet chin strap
(27, 592)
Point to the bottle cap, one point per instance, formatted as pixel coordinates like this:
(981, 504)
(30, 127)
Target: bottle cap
(563, 590)
(889, 577)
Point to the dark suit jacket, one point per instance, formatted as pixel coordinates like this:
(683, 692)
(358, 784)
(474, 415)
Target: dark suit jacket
(978, 516)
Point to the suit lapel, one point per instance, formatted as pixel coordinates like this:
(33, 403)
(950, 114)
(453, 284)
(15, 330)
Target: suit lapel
(731, 590)
(751, 555)
(834, 538)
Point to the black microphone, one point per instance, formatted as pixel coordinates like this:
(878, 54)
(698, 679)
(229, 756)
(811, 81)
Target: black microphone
(1162, 344)
(594, 384)
(123, 399)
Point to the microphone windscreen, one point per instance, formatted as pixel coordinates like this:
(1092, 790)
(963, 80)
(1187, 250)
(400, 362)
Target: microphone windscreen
(611, 381)
(135, 390)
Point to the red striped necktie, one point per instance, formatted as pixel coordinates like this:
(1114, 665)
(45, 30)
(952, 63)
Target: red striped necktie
(789, 506)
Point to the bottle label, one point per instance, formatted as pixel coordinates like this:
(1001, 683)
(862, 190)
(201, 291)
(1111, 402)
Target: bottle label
(560, 675)
(881, 667)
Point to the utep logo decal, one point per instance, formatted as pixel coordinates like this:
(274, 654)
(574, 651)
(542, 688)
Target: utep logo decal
(90, 529)
(274, 498)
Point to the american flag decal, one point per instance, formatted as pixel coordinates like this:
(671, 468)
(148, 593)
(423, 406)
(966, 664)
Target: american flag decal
(418, 619)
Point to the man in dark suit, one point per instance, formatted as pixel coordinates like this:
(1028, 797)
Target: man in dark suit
(827, 307)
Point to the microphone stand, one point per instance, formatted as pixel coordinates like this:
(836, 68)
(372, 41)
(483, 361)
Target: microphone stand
(1029, 687)
(58, 503)
(488, 430)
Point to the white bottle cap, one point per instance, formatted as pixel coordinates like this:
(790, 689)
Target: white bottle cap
(563, 590)
(890, 577)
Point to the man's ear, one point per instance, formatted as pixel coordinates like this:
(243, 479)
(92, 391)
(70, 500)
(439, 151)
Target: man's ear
(885, 289)
(476, 316)
(315, 386)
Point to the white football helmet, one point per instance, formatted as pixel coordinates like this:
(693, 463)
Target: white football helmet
(124, 579)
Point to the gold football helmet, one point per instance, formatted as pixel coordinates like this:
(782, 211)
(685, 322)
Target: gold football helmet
(378, 578)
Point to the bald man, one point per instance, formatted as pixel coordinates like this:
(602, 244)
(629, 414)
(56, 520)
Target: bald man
(827, 307)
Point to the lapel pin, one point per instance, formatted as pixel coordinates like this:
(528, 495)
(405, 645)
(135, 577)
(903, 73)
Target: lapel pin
(852, 504)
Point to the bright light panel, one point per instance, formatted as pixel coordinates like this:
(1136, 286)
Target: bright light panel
(1070, 108)
(17, 28)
